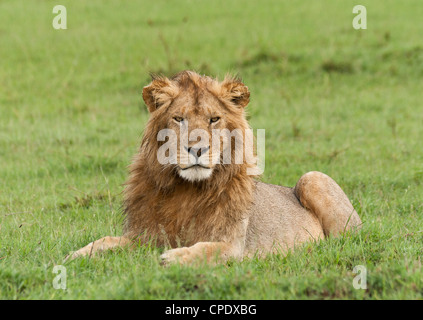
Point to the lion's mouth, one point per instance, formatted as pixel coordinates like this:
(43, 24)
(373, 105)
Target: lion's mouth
(198, 172)
(195, 166)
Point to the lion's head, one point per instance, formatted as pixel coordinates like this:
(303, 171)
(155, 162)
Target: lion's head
(186, 182)
(194, 126)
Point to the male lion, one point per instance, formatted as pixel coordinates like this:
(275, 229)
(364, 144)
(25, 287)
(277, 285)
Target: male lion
(214, 211)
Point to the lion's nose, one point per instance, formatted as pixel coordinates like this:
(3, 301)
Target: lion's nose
(197, 152)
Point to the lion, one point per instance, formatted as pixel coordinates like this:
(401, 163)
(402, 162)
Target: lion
(199, 209)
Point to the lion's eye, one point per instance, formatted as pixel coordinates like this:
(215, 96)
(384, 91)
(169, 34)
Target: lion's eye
(178, 119)
(215, 119)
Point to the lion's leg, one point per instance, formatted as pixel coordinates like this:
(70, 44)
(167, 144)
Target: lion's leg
(102, 244)
(325, 198)
(210, 252)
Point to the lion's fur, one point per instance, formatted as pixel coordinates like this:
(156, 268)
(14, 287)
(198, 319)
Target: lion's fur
(160, 204)
(229, 214)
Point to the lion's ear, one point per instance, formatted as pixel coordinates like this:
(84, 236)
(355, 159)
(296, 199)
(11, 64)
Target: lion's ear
(235, 91)
(158, 92)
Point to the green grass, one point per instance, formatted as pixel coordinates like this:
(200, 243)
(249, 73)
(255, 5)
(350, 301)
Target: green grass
(342, 101)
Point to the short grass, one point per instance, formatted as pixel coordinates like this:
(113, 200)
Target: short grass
(331, 98)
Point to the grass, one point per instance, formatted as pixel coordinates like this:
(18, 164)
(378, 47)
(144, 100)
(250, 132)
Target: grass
(342, 101)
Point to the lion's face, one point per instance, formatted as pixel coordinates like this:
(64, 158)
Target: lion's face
(196, 118)
(197, 115)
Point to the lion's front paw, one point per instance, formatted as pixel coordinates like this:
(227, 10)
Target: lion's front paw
(180, 255)
(80, 253)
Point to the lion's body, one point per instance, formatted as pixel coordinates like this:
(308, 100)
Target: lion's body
(216, 211)
(278, 221)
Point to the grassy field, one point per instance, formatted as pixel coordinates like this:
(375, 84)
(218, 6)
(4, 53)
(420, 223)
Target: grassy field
(331, 98)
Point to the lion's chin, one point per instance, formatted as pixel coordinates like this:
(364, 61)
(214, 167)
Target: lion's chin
(195, 173)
